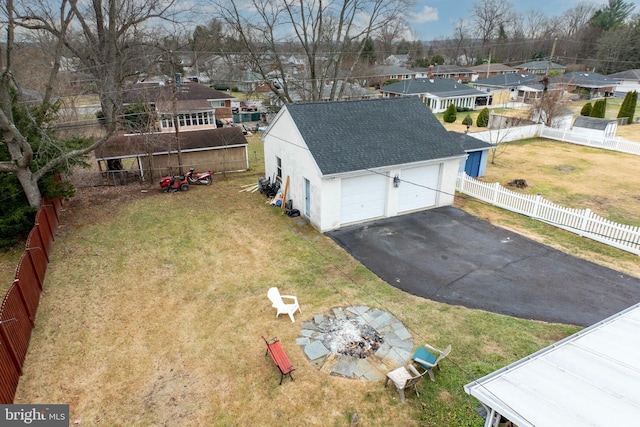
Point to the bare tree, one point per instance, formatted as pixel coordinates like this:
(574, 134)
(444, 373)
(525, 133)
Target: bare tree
(490, 17)
(99, 41)
(577, 18)
(387, 36)
(332, 37)
(100, 35)
(550, 108)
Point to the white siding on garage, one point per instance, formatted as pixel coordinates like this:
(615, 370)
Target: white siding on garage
(418, 188)
(363, 197)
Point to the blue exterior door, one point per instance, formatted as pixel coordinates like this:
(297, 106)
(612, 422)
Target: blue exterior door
(472, 166)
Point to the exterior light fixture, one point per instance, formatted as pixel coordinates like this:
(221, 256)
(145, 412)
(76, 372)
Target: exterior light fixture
(396, 181)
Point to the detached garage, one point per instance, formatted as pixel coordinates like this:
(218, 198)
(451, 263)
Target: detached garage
(354, 161)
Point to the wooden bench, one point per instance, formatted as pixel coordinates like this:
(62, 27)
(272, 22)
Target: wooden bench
(279, 357)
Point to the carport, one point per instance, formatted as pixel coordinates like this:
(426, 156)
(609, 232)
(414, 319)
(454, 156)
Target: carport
(590, 378)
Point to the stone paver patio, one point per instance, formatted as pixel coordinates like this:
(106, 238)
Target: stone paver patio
(395, 347)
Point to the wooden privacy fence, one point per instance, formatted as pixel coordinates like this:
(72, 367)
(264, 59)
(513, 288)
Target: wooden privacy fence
(20, 303)
(580, 221)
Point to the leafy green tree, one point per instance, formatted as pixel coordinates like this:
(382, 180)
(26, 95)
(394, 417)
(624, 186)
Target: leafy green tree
(599, 109)
(483, 118)
(467, 121)
(586, 109)
(450, 114)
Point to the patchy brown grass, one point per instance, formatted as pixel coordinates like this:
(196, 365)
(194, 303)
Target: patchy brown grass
(154, 306)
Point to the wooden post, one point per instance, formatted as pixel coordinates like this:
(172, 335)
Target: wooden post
(284, 192)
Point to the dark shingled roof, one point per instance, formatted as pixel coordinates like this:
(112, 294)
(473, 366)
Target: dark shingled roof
(511, 80)
(443, 88)
(589, 80)
(153, 92)
(592, 122)
(132, 145)
(627, 75)
(349, 136)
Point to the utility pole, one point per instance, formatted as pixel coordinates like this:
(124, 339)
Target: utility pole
(545, 80)
(553, 51)
(175, 113)
(489, 64)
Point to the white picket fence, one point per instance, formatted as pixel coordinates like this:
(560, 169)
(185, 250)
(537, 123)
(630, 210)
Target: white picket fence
(580, 221)
(615, 144)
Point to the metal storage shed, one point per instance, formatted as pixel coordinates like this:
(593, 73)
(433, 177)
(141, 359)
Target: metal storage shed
(591, 378)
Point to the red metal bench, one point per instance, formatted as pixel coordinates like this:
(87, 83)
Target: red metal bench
(280, 358)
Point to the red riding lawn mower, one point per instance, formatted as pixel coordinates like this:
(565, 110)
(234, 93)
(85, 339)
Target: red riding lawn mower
(171, 184)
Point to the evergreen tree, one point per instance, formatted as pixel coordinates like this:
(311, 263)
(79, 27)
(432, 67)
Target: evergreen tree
(586, 109)
(599, 109)
(483, 118)
(628, 107)
(450, 114)
(369, 51)
(468, 121)
(632, 106)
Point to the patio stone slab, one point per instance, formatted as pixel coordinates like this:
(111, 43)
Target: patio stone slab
(394, 340)
(345, 366)
(315, 350)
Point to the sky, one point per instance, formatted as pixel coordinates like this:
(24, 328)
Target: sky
(437, 19)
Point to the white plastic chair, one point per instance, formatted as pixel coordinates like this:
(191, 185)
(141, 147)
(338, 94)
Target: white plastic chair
(283, 308)
(405, 378)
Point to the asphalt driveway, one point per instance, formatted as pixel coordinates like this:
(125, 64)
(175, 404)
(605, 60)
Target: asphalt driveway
(449, 256)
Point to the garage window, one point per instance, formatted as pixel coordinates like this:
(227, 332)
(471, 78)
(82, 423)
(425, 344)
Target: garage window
(279, 169)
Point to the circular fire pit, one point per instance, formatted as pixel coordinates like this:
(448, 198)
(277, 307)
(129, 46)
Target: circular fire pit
(357, 342)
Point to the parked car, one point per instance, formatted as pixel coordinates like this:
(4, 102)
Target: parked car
(248, 106)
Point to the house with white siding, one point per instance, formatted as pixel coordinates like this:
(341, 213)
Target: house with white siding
(438, 93)
(349, 162)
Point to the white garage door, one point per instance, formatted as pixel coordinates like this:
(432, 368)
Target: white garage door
(363, 198)
(417, 188)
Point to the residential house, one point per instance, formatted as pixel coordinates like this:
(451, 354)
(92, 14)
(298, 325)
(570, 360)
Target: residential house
(158, 154)
(540, 67)
(241, 80)
(510, 87)
(593, 84)
(438, 93)
(353, 161)
(477, 154)
(302, 92)
(383, 73)
(397, 60)
(487, 70)
(454, 72)
(294, 64)
(194, 105)
(628, 81)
